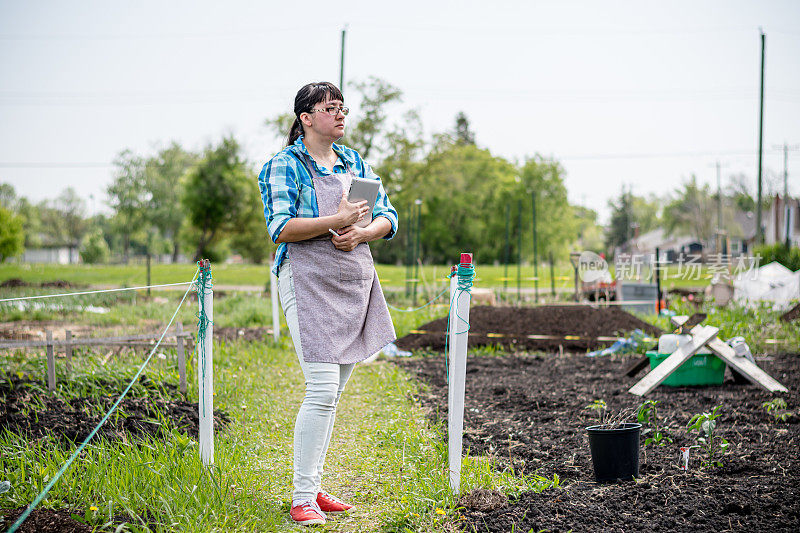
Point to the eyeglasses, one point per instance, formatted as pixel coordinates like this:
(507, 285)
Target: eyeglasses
(333, 110)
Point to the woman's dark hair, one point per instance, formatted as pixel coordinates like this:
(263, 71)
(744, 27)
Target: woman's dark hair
(307, 97)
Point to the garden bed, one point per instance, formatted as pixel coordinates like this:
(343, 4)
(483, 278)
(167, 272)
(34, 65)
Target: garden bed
(516, 323)
(27, 408)
(529, 411)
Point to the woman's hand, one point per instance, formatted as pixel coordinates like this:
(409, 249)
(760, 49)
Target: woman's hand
(349, 237)
(350, 213)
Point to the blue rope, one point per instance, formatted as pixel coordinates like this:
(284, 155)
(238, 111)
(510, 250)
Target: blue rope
(466, 274)
(77, 452)
(418, 308)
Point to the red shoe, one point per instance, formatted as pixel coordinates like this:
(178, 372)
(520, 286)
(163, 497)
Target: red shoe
(307, 514)
(332, 504)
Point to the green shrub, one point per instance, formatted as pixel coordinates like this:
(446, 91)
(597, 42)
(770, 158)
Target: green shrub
(790, 258)
(94, 248)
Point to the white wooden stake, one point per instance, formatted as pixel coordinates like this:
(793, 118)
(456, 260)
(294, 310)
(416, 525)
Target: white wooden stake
(68, 349)
(205, 378)
(273, 292)
(459, 320)
(51, 362)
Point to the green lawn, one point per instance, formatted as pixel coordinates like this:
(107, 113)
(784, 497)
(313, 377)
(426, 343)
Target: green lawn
(430, 276)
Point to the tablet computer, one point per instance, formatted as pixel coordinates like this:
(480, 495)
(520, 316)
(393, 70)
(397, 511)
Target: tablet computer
(364, 189)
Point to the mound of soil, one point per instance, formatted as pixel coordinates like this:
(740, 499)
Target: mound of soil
(247, 334)
(530, 412)
(32, 412)
(58, 283)
(13, 283)
(791, 314)
(516, 323)
(44, 521)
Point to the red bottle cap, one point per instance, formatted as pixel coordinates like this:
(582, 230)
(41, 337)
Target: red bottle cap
(466, 259)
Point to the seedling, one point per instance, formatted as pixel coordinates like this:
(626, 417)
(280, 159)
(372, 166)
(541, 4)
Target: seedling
(598, 406)
(647, 414)
(778, 409)
(708, 441)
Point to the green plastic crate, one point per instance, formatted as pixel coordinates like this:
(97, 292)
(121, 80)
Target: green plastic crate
(700, 369)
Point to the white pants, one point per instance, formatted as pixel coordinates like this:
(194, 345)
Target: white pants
(324, 386)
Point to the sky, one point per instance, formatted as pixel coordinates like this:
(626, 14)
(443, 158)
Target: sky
(636, 94)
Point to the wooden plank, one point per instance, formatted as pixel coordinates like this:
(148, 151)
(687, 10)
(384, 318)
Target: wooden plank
(674, 361)
(641, 363)
(745, 367)
(83, 342)
(68, 349)
(181, 358)
(51, 362)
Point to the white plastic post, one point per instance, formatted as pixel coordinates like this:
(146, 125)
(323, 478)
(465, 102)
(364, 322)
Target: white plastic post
(273, 292)
(459, 319)
(205, 377)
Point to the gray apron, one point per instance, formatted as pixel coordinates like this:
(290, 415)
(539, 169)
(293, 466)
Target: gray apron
(340, 305)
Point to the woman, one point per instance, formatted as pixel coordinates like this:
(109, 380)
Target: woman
(333, 303)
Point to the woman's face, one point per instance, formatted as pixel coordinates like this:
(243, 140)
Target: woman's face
(326, 119)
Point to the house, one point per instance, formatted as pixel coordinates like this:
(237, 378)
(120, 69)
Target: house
(783, 216)
(57, 254)
(670, 247)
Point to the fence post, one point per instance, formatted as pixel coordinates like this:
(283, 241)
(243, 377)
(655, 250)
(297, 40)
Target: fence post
(205, 365)
(181, 357)
(68, 349)
(51, 362)
(459, 331)
(273, 293)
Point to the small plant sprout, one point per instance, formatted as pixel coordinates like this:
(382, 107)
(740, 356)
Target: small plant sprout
(778, 409)
(647, 415)
(708, 440)
(599, 406)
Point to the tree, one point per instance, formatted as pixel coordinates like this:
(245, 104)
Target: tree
(463, 134)
(71, 210)
(556, 224)
(367, 135)
(11, 236)
(214, 194)
(128, 197)
(250, 238)
(94, 248)
(692, 209)
(631, 214)
(162, 182)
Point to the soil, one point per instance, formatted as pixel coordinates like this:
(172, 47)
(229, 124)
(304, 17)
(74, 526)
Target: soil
(791, 314)
(695, 296)
(529, 412)
(44, 521)
(517, 323)
(56, 283)
(248, 334)
(26, 408)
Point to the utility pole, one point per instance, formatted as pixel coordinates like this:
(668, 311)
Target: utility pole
(535, 253)
(341, 62)
(719, 198)
(759, 229)
(786, 215)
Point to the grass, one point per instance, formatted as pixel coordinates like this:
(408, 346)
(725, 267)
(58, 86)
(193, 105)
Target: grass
(430, 276)
(385, 456)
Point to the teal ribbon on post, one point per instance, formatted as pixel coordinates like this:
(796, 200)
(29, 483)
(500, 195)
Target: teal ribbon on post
(203, 284)
(466, 274)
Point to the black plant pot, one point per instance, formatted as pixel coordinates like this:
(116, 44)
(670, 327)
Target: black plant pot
(615, 451)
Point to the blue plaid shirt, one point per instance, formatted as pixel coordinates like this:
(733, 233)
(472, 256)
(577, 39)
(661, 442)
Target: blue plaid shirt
(287, 190)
